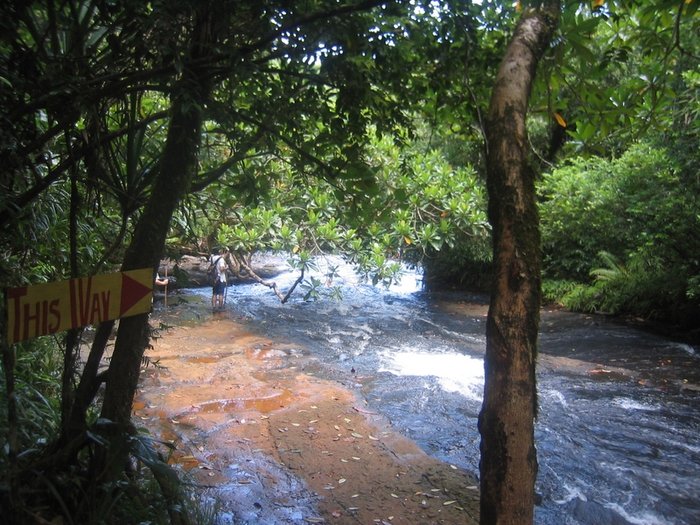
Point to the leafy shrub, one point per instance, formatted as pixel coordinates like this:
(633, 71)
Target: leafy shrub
(641, 215)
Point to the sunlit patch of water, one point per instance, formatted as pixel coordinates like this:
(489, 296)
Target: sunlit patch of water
(455, 372)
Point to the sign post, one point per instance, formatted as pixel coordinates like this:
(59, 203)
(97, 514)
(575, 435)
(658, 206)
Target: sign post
(44, 309)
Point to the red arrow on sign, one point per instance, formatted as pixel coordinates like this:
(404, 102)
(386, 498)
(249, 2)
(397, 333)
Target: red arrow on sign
(132, 292)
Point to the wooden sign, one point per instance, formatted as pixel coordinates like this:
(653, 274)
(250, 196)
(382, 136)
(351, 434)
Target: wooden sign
(44, 309)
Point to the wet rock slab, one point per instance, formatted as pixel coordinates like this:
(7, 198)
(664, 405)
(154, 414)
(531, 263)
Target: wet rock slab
(274, 443)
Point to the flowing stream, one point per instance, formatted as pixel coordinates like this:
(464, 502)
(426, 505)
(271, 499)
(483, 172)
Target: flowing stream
(618, 432)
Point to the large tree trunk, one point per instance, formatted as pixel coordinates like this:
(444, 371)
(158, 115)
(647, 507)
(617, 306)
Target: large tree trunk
(508, 459)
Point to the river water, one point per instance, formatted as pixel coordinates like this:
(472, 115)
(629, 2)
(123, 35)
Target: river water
(618, 432)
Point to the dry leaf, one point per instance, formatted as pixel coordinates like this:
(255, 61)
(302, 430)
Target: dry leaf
(560, 120)
(450, 502)
(341, 480)
(373, 438)
(355, 434)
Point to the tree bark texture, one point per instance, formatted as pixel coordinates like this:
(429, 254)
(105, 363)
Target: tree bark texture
(508, 464)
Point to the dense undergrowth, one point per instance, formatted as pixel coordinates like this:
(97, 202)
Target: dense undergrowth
(33, 492)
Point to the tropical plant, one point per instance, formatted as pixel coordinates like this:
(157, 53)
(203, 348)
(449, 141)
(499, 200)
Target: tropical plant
(637, 211)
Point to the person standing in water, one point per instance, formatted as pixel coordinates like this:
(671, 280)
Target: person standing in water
(220, 278)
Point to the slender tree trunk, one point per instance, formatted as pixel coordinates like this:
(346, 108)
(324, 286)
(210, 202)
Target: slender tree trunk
(508, 458)
(173, 181)
(145, 250)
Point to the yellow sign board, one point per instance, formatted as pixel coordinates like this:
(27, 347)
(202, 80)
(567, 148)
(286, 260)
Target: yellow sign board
(48, 308)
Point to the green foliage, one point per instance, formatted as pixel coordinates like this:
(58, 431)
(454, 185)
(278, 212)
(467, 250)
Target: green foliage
(642, 288)
(632, 224)
(616, 71)
(37, 394)
(418, 206)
